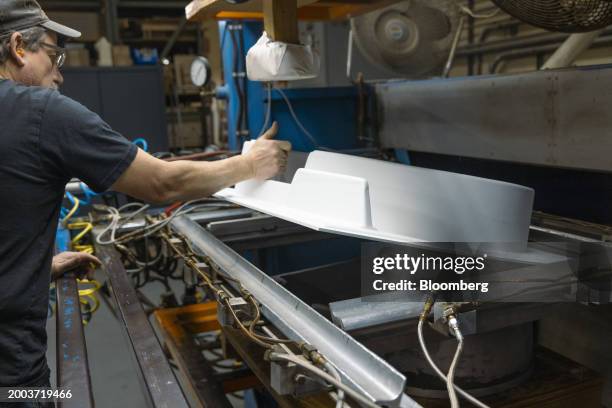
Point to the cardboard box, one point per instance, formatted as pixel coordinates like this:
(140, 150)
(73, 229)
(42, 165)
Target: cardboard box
(77, 57)
(122, 56)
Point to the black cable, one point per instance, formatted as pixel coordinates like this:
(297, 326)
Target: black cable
(240, 82)
(244, 81)
(239, 119)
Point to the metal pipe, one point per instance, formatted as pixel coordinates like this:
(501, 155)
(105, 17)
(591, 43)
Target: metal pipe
(451, 55)
(202, 156)
(172, 40)
(521, 53)
(507, 45)
(349, 55)
(72, 363)
(360, 368)
(152, 4)
(488, 31)
(470, 35)
(571, 49)
(111, 17)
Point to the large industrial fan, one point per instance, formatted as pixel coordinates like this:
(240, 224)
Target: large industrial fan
(571, 16)
(410, 38)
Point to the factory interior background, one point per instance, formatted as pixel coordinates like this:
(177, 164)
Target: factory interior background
(465, 87)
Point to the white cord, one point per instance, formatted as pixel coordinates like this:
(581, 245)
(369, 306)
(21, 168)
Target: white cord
(327, 377)
(332, 370)
(268, 110)
(433, 365)
(296, 119)
(151, 229)
(450, 378)
(115, 215)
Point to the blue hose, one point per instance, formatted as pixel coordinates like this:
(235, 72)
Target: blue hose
(142, 143)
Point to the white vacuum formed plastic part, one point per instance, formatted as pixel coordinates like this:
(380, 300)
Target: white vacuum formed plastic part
(392, 202)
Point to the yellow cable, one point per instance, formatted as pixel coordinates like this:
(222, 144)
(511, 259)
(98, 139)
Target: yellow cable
(73, 211)
(86, 226)
(86, 296)
(89, 291)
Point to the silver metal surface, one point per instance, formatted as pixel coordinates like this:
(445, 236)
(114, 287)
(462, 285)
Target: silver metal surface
(158, 383)
(571, 49)
(554, 118)
(358, 366)
(359, 313)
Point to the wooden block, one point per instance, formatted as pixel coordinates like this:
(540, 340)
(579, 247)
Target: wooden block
(280, 20)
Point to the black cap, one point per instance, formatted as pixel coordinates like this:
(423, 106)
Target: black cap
(18, 15)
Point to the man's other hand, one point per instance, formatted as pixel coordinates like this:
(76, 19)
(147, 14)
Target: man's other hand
(268, 157)
(78, 262)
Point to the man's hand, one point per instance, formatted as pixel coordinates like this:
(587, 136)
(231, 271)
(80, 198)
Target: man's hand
(78, 262)
(151, 179)
(268, 157)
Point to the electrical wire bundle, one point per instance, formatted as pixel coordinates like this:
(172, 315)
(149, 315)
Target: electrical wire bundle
(249, 323)
(119, 217)
(146, 256)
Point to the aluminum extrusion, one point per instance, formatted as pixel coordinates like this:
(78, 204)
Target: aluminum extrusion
(358, 366)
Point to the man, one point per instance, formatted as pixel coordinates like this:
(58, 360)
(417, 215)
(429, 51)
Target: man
(46, 139)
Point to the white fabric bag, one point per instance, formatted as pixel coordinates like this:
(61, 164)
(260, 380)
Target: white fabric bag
(271, 60)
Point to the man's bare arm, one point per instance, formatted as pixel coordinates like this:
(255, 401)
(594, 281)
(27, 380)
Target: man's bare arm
(157, 181)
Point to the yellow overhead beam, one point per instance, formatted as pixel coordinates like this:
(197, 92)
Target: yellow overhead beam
(200, 10)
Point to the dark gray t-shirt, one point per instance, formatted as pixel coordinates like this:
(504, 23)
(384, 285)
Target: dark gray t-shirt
(45, 140)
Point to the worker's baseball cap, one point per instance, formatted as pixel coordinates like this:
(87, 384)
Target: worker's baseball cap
(18, 15)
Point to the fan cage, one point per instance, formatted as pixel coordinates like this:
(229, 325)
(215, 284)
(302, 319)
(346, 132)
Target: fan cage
(571, 16)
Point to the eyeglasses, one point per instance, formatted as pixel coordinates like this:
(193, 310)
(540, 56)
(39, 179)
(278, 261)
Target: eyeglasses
(58, 57)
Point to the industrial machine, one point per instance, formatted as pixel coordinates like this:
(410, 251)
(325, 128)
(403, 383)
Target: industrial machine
(282, 292)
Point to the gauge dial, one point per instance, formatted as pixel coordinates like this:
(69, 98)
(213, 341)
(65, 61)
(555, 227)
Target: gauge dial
(200, 71)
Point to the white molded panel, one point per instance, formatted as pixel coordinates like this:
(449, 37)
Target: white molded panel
(386, 201)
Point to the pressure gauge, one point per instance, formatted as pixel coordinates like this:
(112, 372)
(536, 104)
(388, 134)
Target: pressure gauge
(200, 71)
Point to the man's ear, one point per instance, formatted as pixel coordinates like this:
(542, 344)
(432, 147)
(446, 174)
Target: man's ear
(18, 49)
